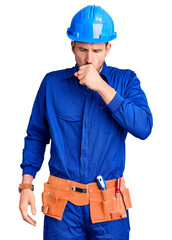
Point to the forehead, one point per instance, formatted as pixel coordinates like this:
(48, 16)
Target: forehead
(90, 45)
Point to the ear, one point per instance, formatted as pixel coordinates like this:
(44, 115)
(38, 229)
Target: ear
(73, 46)
(108, 48)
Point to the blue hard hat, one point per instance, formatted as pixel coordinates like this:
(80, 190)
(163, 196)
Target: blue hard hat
(92, 24)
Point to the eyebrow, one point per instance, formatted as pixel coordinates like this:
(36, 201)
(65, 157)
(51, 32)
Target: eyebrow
(96, 49)
(82, 48)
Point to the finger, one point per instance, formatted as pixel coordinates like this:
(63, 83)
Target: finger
(81, 71)
(26, 217)
(33, 222)
(82, 67)
(82, 82)
(30, 220)
(33, 207)
(85, 66)
(81, 76)
(76, 74)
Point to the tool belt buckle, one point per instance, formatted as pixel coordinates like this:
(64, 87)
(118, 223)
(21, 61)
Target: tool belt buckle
(81, 190)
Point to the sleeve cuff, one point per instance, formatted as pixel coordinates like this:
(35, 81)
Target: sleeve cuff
(29, 170)
(115, 103)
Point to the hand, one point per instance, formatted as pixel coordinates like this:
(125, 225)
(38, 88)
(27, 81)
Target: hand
(27, 198)
(89, 76)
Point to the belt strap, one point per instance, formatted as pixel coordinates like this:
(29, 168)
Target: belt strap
(61, 182)
(78, 193)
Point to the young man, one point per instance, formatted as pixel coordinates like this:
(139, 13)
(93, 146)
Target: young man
(86, 111)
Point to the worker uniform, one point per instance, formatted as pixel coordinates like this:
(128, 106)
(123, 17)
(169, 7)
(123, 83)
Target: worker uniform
(87, 139)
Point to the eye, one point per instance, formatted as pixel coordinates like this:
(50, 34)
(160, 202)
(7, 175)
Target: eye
(97, 51)
(83, 49)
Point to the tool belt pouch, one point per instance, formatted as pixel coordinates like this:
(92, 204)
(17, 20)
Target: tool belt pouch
(104, 206)
(54, 202)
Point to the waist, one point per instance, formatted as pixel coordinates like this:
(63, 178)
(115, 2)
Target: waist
(104, 206)
(66, 183)
(79, 193)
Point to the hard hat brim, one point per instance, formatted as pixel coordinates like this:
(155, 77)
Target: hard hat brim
(91, 39)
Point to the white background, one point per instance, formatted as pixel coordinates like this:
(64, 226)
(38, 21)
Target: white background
(34, 42)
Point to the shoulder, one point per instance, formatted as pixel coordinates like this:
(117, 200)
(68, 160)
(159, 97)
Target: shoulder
(59, 74)
(119, 76)
(120, 73)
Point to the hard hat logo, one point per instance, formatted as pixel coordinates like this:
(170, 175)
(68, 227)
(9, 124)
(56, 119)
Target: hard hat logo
(98, 19)
(97, 30)
(92, 24)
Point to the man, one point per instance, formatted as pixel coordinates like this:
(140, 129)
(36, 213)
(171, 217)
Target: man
(86, 111)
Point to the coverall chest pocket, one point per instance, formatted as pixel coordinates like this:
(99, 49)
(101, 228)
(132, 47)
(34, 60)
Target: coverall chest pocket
(70, 109)
(107, 122)
(69, 117)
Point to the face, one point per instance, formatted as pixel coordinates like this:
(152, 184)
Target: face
(90, 53)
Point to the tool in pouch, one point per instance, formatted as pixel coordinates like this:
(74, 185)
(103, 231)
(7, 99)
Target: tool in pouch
(101, 183)
(104, 206)
(118, 186)
(114, 207)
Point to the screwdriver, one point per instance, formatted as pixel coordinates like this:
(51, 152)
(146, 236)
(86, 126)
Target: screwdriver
(101, 183)
(118, 186)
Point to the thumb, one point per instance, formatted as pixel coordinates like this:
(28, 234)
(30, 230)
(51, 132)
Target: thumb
(76, 74)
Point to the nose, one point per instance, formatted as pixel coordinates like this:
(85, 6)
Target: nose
(89, 57)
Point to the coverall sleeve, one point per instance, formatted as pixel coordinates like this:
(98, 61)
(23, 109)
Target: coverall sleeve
(131, 110)
(37, 134)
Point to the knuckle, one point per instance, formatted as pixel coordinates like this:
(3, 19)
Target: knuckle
(24, 216)
(21, 208)
(26, 220)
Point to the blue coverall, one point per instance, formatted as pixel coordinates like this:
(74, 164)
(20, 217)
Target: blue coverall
(87, 139)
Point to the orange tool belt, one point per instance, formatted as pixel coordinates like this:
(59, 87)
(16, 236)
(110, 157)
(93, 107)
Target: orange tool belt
(104, 206)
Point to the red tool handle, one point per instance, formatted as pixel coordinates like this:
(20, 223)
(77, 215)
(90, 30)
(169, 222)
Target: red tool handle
(118, 186)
